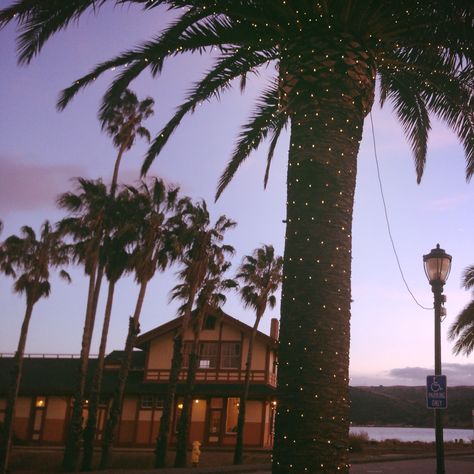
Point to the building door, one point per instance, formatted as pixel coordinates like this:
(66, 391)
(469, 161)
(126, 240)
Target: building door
(37, 418)
(215, 426)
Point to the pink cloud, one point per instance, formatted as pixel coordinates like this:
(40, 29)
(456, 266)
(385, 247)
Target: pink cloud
(27, 186)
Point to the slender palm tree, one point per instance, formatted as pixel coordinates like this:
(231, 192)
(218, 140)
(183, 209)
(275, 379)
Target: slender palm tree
(121, 232)
(210, 297)
(260, 276)
(462, 329)
(327, 57)
(154, 250)
(200, 241)
(90, 211)
(29, 260)
(123, 122)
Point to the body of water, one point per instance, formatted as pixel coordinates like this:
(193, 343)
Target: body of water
(411, 434)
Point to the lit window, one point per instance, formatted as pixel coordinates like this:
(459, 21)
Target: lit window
(40, 402)
(230, 355)
(232, 415)
(208, 355)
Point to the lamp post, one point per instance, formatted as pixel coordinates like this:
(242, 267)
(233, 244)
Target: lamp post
(437, 266)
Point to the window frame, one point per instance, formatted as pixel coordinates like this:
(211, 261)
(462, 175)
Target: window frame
(236, 358)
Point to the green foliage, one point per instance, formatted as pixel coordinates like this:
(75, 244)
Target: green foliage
(406, 406)
(462, 329)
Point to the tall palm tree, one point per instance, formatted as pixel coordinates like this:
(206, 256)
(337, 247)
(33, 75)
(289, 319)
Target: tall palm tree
(326, 57)
(210, 297)
(123, 122)
(462, 329)
(260, 276)
(201, 241)
(154, 250)
(121, 232)
(90, 211)
(29, 260)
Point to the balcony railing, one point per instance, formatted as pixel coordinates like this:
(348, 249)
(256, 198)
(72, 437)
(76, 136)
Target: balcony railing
(5, 355)
(215, 376)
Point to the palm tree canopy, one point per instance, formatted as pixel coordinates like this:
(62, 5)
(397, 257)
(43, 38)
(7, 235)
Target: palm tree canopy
(29, 259)
(203, 260)
(260, 275)
(421, 52)
(157, 219)
(462, 329)
(91, 214)
(123, 121)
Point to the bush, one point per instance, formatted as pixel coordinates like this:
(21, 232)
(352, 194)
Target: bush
(357, 441)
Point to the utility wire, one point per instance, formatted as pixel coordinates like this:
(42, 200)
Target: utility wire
(387, 219)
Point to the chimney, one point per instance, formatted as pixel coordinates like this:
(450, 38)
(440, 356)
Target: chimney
(274, 326)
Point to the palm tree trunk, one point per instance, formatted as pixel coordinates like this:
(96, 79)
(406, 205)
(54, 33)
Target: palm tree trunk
(73, 440)
(72, 446)
(185, 418)
(117, 400)
(312, 421)
(94, 398)
(17, 370)
(239, 443)
(113, 185)
(162, 441)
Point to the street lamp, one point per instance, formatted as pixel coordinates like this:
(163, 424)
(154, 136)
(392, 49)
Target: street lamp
(437, 266)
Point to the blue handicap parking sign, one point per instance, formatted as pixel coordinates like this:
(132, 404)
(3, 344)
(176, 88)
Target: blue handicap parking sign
(436, 391)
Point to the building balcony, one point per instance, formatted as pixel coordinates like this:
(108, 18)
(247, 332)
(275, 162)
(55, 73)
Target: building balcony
(213, 376)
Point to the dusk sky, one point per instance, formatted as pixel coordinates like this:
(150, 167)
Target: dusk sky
(42, 149)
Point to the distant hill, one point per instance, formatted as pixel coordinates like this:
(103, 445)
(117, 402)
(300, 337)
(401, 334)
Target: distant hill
(407, 406)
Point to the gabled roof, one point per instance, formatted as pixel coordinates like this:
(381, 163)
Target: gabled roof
(221, 316)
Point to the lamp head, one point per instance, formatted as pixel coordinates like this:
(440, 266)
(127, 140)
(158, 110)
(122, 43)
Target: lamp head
(437, 266)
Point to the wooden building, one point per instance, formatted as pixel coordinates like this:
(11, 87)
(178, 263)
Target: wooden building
(47, 385)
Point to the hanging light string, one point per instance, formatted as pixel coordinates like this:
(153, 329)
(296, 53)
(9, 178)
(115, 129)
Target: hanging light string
(387, 219)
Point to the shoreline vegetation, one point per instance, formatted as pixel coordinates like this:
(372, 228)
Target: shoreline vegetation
(29, 459)
(405, 406)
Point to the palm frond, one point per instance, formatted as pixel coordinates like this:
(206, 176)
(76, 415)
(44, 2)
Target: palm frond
(468, 278)
(267, 117)
(402, 88)
(463, 330)
(273, 143)
(65, 276)
(40, 20)
(228, 67)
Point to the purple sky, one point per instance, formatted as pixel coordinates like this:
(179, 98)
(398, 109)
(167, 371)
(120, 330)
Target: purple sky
(41, 149)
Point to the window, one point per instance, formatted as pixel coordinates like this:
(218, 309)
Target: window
(209, 322)
(230, 355)
(151, 401)
(40, 402)
(232, 415)
(208, 355)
